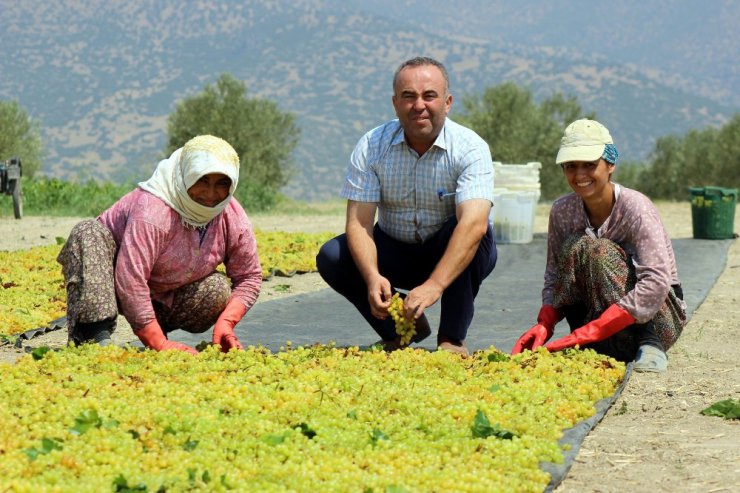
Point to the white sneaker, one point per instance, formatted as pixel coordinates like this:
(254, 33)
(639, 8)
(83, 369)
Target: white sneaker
(650, 359)
(103, 338)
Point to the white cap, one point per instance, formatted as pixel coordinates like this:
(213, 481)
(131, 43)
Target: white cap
(583, 140)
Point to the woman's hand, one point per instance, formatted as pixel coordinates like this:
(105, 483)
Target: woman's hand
(153, 337)
(614, 319)
(223, 331)
(539, 334)
(176, 346)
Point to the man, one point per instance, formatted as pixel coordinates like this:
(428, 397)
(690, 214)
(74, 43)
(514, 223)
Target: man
(430, 181)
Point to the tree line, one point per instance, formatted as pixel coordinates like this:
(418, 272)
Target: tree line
(518, 129)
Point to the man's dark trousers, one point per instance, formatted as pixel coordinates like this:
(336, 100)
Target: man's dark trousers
(407, 265)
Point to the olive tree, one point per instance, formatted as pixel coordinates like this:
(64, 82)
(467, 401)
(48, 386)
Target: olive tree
(19, 136)
(520, 130)
(263, 136)
(708, 156)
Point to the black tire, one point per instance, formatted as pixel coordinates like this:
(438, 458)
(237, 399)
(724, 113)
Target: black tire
(17, 198)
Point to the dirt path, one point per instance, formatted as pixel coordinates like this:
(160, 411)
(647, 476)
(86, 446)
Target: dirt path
(653, 439)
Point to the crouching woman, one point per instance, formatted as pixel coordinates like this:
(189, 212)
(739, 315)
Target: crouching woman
(152, 256)
(611, 271)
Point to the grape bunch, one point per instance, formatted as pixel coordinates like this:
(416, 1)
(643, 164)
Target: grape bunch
(404, 327)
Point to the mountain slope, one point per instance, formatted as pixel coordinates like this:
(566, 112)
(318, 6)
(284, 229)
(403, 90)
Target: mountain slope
(102, 77)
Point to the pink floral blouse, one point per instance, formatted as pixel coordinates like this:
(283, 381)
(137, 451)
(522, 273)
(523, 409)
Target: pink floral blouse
(158, 253)
(635, 225)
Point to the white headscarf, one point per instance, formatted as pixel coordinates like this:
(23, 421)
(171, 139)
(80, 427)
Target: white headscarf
(173, 177)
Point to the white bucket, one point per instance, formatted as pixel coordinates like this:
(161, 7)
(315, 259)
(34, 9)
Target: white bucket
(512, 214)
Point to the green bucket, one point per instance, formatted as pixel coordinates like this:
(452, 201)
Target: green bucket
(713, 212)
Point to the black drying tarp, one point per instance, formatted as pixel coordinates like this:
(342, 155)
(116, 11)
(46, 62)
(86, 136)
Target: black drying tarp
(506, 306)
(507, 303)
(573, 437)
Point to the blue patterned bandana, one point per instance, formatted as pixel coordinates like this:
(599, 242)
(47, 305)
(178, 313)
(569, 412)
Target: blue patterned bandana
(611, 155)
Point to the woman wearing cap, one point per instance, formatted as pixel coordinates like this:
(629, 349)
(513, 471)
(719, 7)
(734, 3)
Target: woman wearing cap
(610, 269)
(153, 255)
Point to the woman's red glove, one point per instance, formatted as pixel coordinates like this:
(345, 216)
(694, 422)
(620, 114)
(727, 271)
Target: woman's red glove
(153, 337)
(614, 319)
(223, 331)
(539, 334)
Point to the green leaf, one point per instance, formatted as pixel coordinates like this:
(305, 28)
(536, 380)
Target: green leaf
(423, 428)
(482, 428)
(496, 357)
(352, 414)
(203, 345)
(49, 444)
(481, 425)
(60, 240)
(377, 435)
(121, 485)
(86, 420)
(8, 339)
(274, 439)
(170, 430)
(224, 483)
(306, 430)
(728, 409)
(190, 445)
(33, 453)
(39, 352)
(495, 388)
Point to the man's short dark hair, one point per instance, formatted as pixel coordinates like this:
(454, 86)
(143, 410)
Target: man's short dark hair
(421, 61)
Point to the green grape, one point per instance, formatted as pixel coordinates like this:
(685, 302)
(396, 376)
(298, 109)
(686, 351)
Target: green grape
(291, 420)
(404, 327)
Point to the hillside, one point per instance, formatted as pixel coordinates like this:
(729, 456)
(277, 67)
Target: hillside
(102, 77)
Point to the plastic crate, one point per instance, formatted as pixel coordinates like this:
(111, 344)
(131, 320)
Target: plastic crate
(512, 214)
(524, 177)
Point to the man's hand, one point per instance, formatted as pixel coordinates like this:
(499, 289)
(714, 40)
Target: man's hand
(379, 295)
(422, 297)
(359, 228)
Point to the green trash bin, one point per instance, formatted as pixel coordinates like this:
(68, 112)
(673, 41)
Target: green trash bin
(713, 212)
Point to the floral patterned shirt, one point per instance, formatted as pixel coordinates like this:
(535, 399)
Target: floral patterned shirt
(635, 225)
(157, 253)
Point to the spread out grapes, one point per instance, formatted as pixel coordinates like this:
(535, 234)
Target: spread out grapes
(314, 418)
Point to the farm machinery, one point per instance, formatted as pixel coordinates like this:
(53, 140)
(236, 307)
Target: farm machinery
(10, 183)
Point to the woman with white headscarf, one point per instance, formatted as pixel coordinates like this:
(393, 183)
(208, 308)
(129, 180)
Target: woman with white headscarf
(152, 256)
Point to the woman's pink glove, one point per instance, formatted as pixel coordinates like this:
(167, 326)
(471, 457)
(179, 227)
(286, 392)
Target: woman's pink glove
(223, 331)
(614, 319)
(153, 337)
(540, 333)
